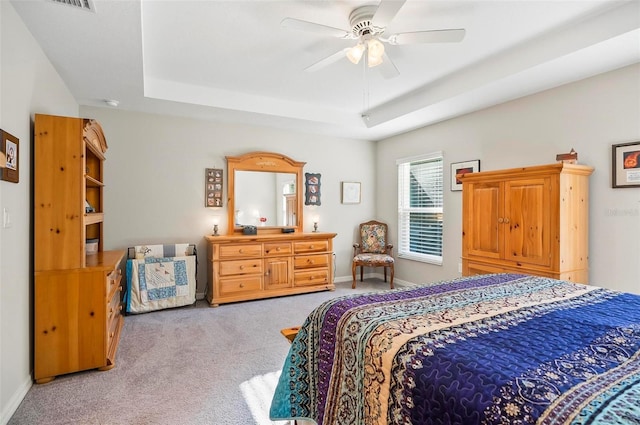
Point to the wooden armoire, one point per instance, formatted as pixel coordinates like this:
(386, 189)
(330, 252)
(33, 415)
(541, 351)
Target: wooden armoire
(77, 302)
(532, 220)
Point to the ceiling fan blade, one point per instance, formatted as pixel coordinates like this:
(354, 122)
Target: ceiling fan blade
(328, 60)
(387, 68)
(434, 36)
(387, 10)
(300, 25)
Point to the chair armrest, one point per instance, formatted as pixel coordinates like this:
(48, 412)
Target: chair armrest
(356, 249)
(389, 249)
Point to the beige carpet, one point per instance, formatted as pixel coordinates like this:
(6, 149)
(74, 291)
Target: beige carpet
(183, 366)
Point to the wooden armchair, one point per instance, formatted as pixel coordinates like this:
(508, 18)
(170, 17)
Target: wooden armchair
(373, 250)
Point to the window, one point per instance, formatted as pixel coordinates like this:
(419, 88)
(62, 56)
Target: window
(420, 193)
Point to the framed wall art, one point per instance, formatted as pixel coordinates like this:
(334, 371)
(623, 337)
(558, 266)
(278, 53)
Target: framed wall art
(213, 187)
(462, 168)
(312, 188)
(350, 192)
(626, 165)
(10, 147)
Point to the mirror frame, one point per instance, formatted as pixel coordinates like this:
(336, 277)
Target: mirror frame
(268, 162)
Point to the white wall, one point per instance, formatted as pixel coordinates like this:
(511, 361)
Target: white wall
(154, 178)
(29, 84)
(589, 116)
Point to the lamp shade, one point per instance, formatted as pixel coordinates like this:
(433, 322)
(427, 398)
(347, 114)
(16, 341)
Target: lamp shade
(375, 52)
(355, 53)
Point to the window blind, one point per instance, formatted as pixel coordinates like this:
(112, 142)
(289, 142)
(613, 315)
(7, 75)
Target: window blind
(420, 212)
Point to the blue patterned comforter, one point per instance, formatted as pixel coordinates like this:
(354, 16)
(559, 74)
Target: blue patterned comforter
(491, 349)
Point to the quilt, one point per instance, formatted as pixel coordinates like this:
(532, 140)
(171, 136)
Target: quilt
(155, 283)
(489, 349)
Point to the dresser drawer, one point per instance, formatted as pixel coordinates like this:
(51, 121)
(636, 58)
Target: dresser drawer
(113, 282)
(311, 246)
(228, 268)
(311, 277)
(236, 285)
(308, 261)
(244, 251)
(277, 248)
(114, 306)
(112, 328)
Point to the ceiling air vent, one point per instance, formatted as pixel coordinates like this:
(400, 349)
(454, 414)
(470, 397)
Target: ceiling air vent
(78, 4)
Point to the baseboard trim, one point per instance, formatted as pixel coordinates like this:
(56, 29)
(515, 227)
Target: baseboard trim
(15, 400)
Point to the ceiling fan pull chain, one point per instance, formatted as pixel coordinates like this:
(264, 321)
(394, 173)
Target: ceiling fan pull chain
(365, 89)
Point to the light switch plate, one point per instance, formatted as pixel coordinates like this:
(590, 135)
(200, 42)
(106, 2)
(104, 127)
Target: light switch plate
(6, 218)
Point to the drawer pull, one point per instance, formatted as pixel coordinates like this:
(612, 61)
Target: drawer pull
(241, 251)
(242, 267)
(278, 249)
(310, 246)
(242, 285)
(110, 334)
(309, 261)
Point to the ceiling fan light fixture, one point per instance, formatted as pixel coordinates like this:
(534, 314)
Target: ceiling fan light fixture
(375, 52)
(373, 61)
(355, 53)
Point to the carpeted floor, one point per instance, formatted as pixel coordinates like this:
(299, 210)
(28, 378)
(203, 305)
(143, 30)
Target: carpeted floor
(181, 366)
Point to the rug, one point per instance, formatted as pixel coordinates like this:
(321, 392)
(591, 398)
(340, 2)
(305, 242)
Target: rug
(258, 392)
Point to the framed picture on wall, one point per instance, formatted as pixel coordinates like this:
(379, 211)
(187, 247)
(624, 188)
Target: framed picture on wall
(213, 187)
(312, 188)
(350, 192)
(626, 165)
(10, 148)
(462, 168)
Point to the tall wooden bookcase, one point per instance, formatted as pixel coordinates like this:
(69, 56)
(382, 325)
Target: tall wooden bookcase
(77, 301)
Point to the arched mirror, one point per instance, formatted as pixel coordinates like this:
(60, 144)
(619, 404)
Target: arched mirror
(264, 190)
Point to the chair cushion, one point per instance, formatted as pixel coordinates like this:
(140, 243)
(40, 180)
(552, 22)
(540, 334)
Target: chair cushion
(373, 258)
(373, 238)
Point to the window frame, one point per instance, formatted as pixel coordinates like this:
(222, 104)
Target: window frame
(404, 243)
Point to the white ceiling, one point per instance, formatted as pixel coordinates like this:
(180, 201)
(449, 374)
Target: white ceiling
(232, 60)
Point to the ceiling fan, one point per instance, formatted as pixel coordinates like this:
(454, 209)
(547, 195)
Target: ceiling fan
(368, 27)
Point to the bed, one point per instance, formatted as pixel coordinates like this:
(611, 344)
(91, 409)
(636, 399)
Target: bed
(160, 277)
(489, 349)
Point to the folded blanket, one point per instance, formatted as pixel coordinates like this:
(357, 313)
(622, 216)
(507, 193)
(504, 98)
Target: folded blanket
(165, 250)
(157, 283)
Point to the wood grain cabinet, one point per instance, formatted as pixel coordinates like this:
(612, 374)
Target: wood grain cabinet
(77, 297)
(532, 220)
(78, 317)
(242, 268)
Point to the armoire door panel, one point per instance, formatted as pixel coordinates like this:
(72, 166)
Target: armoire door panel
(485, 238)
(527, 221)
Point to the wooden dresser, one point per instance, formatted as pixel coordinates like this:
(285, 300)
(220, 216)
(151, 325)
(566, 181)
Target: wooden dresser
(532, 220)
(77, 296)
(78, 317)
(249, 267)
